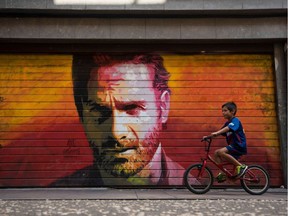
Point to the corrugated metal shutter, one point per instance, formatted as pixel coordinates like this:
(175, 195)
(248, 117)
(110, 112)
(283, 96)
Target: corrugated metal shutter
(201, 84)
(42, 140)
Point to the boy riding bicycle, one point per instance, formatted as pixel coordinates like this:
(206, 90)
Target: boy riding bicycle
(236, 140)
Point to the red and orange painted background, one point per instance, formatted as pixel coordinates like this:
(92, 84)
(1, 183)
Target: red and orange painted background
(41, 138)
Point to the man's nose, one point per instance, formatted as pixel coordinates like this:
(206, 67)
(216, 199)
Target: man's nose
(120, 127)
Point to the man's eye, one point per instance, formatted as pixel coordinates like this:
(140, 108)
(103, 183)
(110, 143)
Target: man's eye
(104, 115)
(101, 120)
(100, 113)
(133, 109)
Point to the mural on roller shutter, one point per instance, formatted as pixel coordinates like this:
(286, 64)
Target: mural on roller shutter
(123, 119)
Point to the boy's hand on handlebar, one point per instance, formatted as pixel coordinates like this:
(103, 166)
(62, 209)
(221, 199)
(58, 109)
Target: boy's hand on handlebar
(206, 137)
(214, 134)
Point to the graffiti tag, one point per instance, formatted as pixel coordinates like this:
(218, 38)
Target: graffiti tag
(71, 150)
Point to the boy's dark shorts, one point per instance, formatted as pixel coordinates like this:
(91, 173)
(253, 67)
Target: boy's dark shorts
(235, 152)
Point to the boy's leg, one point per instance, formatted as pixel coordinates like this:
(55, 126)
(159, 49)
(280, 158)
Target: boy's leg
(233, 154)
(221, 177)
(218, 153)
(224, 153)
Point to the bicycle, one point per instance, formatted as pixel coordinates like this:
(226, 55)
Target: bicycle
(199, 178)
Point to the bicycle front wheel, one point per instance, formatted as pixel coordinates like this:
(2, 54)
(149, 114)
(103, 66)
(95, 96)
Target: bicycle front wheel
(198, 180)
(256, 180)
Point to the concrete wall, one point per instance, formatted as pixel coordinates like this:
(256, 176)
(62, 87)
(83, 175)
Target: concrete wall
(196, 6)
(172, 20)
(143, 28)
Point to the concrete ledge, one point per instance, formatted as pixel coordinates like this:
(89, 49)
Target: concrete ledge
(169, 7)
(143, 29)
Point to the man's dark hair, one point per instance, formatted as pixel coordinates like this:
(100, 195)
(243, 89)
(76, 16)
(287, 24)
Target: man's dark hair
(231, 106)
(83, 64)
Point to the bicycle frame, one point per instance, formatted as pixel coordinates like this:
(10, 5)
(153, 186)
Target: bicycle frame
(221, 166)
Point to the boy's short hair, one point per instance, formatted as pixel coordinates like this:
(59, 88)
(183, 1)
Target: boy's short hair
(231, 106)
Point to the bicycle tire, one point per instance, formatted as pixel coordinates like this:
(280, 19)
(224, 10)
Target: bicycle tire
(195, 183)
(255, 187)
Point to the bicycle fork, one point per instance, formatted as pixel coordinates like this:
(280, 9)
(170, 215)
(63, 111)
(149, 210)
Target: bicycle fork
(204, 163)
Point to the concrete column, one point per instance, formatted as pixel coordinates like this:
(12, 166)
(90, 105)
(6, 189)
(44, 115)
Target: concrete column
(281, 90)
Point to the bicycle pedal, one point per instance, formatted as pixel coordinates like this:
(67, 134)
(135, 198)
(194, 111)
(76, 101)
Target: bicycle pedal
(221, 181)
(221, 178)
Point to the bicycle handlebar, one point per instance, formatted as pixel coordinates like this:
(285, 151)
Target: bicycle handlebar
(207, 139)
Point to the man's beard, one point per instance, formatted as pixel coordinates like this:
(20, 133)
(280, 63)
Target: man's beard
(130, 165)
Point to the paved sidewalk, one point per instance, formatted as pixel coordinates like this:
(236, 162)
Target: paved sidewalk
(134, 194)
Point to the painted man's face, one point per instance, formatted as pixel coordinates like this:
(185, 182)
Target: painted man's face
(123, 117)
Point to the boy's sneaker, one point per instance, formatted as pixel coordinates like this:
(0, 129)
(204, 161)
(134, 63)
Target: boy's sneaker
(221, 177)
(240, 170)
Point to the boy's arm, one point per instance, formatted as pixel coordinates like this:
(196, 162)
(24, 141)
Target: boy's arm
(221, 131)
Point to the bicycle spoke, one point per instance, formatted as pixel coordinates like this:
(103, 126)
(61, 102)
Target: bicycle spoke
(197, 180)
(255, 180)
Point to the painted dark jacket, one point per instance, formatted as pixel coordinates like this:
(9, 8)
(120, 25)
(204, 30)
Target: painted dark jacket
(164, 172)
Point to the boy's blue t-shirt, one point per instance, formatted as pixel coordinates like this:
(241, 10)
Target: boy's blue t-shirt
(236, 136)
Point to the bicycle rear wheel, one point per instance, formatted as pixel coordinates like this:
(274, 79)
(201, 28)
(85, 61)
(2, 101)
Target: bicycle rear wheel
(197, 180)
(255, 180)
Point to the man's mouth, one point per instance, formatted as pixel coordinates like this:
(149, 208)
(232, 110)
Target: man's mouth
(128, 152)
(121, 150)
(120, 155)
